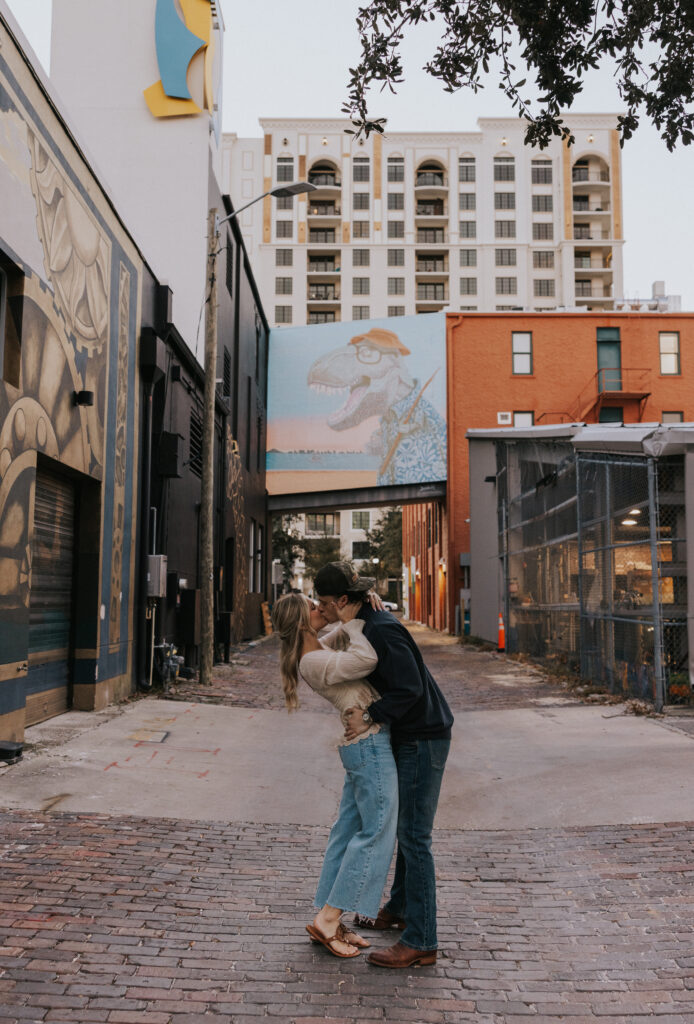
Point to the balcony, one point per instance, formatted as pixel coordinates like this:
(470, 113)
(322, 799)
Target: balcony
(592, 263)
(323, 210)
(615, 386)
(437, 265)
(590, 290)
(323, 293)
(319, 236)
(581, 174)
(324, 179)
(431, 236)
(586, 206)
(323, 267)
(431, 179)
(587, 233)
(432, 293)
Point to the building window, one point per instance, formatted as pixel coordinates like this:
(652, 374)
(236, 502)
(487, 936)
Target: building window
(504, 168)
(522, 352)
(543, 231)
(468, 286)
(436, 236)
(466, 168)
(468, 229)
(360, 229)
(505, 309)
(543, 260)
(361, 257)
(396, 200)
(669, 342)
(396, 229)
(361, 200)
(505, 257)
(468, 257)
(325, 524)
(396, 168)
(283, 314)
(396, 257)
(670, 416)
(226, 373)
(506, 285)
(326, 235)
(361, 286)
(396, 310)
(360, 313)
(285, 168)
(360, 168)
(542, 204)
(467, 200)
(543, 287)
(361, 520)
(283, 286)
(324, 317)
(505, 229)
(360, 549)
(523, 418)
(504, 200)
(195, 444)
(284, 228)
(285, 202)
(541, 172)
(396, 285)
(467, 309)
(284, 258)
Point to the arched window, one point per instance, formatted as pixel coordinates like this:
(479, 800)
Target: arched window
(504, 168)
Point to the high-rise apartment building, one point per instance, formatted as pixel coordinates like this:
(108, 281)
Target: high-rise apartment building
(417, 222)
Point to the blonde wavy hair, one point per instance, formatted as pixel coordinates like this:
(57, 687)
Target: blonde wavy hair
(290, 616)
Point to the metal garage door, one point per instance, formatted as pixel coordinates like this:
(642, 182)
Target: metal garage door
(50, 619)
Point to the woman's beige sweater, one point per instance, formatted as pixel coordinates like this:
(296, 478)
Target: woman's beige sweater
(339, 675)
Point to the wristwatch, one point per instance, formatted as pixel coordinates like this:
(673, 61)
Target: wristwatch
(366, 717)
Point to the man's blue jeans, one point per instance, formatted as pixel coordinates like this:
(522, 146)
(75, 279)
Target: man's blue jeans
(413, 894)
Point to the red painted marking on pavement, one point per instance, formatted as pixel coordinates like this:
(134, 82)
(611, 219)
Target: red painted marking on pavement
(203, 774)
(114, 764)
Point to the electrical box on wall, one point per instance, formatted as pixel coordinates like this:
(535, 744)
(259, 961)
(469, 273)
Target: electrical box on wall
(156, 575)
(504, 419)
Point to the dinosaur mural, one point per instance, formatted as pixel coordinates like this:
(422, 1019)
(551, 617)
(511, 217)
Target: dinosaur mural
(410, 439)
(357, 405)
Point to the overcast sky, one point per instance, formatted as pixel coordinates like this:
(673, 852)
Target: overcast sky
(290, 59)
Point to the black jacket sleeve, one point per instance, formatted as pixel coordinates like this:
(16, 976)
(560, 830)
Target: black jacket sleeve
(399, 676)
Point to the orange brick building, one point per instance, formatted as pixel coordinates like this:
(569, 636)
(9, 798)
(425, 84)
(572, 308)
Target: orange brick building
(534, 368)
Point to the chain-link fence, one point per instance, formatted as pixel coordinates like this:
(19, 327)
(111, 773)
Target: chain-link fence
(594, 560)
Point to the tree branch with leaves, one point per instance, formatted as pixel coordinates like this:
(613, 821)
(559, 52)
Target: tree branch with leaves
(558, 43)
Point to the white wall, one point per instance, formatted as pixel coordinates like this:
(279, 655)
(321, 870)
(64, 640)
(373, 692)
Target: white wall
(103, 57)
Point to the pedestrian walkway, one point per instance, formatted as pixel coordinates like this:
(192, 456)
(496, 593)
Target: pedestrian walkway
(564, 861)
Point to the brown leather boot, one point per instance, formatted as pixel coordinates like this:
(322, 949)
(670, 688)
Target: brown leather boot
(383, 922)
(402, 956)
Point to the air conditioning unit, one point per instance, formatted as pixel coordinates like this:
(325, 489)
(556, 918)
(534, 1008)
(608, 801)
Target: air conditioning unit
(504, 419)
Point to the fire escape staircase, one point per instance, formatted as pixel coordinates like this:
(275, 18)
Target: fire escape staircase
(610, 386)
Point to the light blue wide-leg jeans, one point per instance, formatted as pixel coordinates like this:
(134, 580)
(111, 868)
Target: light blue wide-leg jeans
(362, 840)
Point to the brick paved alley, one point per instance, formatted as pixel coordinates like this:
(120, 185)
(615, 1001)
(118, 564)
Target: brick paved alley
(117, 919)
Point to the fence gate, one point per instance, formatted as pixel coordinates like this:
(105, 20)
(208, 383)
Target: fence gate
(50, 612)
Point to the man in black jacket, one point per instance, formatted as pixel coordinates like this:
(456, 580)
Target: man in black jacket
(420, 721)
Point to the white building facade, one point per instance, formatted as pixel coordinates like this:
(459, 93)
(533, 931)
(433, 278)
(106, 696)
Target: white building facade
(418, 222)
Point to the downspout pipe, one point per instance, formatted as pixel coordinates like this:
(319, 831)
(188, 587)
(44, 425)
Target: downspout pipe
(152, 362)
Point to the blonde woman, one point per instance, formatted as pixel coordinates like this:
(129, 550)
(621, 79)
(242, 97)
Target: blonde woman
(362, 840)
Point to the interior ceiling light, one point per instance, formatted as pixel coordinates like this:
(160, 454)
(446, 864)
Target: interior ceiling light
(634, 511)
(628, 522)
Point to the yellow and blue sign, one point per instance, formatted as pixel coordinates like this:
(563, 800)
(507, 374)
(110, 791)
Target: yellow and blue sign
(178, 42)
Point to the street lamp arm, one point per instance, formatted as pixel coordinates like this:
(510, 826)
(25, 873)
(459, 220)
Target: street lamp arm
(296, 188)
(240, 210)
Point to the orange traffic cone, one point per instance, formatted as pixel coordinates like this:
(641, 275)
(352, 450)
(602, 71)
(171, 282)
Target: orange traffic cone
(501, 644)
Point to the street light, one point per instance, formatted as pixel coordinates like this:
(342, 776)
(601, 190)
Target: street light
(207, 477)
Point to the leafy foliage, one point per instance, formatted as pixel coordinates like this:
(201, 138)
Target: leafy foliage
(385, 543)
(317, 551)
(651, 43)
(286, 544)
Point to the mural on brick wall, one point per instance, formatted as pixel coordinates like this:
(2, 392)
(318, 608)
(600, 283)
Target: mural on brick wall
(357, 404)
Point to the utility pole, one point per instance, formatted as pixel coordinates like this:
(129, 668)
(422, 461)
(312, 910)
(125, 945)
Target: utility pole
(207, 505)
